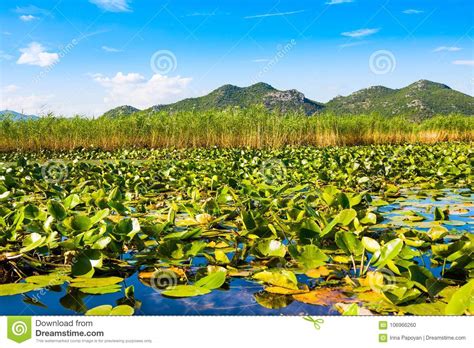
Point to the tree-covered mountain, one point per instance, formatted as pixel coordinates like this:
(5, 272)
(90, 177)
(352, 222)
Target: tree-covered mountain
(16, 116)
(119, 111)
(259, 93)
(420, 99)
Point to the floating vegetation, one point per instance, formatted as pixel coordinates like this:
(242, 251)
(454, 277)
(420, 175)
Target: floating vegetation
(354, 230)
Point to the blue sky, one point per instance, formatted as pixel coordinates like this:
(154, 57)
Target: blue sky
(87, 56)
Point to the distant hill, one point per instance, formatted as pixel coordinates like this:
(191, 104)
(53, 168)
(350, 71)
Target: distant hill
(422, 99)
(260, 93)
(16, 116)
(119, 111)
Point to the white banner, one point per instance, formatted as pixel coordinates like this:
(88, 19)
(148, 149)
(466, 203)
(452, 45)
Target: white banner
(209, 332)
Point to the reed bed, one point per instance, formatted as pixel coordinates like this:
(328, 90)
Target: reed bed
(256, 128)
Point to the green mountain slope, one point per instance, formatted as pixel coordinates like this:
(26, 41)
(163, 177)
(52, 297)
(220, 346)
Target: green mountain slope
(120, 111)
(260, 93)
(421, 99)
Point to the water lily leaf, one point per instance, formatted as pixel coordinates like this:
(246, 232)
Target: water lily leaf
(319, 272)
(57, 210)
(371, 245)
(32, 241)
(461, 300)
(282, 278)
(103, 310)
(194, 233)
(270, 248)
(346, 216)
(79, 222)
(94, 282)
(351, 309)
(388, 252)
(212, 281)
(349, 242)
(17, 288)
(99, 216)
(101, 290)
(48, 280)
(185, 291)
(122, 310)
(221, 257)
(379, 203)
(309, 256)
(83, 265)
(436, 308)
(324, 297)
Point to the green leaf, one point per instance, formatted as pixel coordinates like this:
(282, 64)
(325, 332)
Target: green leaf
(346, 216)
(280, 277)
(349, 242)
(461, 300)
(185, 291)
(270, 248)
(103, 310)
(122, 310)
(83, 264)
(57, 210)
(212, 281)
(17, 288)
(48, 280)
(32, 241)
(388, 252)
(80, 223)
(309, 256)
(371, 245)
(110, 289)
(94, 282)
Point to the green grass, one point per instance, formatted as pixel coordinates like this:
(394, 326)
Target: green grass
(254, 127)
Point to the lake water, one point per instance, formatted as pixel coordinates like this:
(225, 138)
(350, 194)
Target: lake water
(243, 297)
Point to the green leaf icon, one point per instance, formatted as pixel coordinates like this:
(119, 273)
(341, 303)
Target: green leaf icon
(19, 329)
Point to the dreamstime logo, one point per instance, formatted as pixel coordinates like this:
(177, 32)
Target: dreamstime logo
(163, 62)
(54, 172)
(382, 62)
(273, 171)
(19, 329)
(163, 279)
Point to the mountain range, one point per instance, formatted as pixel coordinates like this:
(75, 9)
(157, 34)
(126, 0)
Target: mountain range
(16, 116)
(421, 99)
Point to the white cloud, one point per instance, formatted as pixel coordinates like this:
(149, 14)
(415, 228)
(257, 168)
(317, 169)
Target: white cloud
(32, 10)
(337, 2)
(274, 14)
(27, 18)
(111, 49)
(447, 49)
(360, 32)
(464, 62)
(112, 5)
(10, 88)
(35, 54)
(31, 104)
(412, 11)
(134, 89)
(5, 56)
